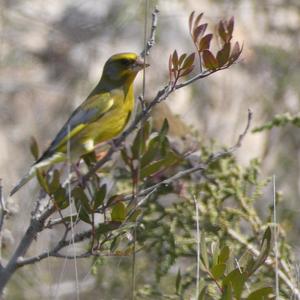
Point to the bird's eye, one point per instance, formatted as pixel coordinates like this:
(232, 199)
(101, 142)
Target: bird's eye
(126, 62)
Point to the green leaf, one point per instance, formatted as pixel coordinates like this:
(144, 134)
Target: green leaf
(151, 152)
(104, 228)
(264, 252)
(164, 129)
(159, 165)
(218, 270)
(215, 252)
(60, 198)
(84, 216)
(178, 282)
(261, 294)
(224, 255)
(118, 212)
(237, 280)
(227, 292)
(99, 196)
(202, 295)
(42, 181)
(81, 198)
(55, 183)
(203, 250)
(34, 148)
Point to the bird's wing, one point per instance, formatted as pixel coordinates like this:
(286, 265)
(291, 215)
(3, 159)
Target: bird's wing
(93, 108)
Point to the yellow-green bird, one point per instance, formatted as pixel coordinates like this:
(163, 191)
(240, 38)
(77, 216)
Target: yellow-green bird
(101, 117)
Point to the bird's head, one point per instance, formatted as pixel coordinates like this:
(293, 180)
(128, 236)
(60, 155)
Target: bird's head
(123, 67)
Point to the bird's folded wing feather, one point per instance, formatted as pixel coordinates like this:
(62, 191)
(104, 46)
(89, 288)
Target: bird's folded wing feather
(93, 108)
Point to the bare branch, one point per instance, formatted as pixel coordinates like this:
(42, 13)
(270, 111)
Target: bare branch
(151, 40)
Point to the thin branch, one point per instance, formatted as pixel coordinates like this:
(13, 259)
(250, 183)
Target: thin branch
(151, 40)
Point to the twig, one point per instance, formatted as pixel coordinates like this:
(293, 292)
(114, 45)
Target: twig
(151, 40)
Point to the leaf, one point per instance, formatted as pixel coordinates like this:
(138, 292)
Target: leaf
(261, 294)
(209, 61)
(202, 295)
(60, 198)
(264, 252)
(205, 42)
(42, 181)
(187, 71)
(237, 280)
(164, 129)
(191, 19)
(227, 293)
(34, 148)
(81, 198)
(118, 212)
(135, 215)
(125, 157)
(175, 60)
(104, 228)
(181, 59)
(223, 55)
(203, 250)
(222, 32)
(218, 270)
(198, 19)
(152, 168)
(224, 255)
(199, 31)
(189, 61)
(55, 183)
(84, 216)
(99, 196)
(236, 52)
(230, 26)
(178, 282)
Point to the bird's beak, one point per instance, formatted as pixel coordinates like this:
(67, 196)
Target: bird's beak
(139, 64)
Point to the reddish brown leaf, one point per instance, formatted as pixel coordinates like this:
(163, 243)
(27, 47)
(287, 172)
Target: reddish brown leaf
(223, 55)
(199, 31)
(181, 58)
(191, 19)
(230, 26)
(198, 19)
(222, 32)
(189, 61)
(205, 42)
(236, 52)
(187, 71)
(175, 60)
(209, 61)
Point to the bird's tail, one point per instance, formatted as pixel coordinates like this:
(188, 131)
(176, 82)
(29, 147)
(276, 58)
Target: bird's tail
(30, 174)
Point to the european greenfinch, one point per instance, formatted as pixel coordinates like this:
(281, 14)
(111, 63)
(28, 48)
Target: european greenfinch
(101, 117)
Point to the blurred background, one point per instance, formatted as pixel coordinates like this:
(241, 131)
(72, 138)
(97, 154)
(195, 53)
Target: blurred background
(52, 53)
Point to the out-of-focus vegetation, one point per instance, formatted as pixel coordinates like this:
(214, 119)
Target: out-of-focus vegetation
(50, 59)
